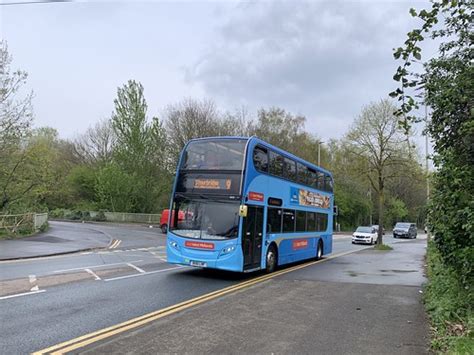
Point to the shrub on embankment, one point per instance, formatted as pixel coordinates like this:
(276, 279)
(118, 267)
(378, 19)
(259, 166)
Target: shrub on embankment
(449, 303)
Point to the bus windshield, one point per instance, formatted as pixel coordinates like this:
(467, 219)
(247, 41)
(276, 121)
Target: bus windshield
(207, 219)
(218, 154)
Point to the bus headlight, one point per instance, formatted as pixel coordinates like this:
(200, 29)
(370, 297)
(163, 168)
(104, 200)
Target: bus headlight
(227, 250)
(174, 244)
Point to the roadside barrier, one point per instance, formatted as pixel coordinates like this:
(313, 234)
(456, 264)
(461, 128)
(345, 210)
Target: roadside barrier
(23, 223)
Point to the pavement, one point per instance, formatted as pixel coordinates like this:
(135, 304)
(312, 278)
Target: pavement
(72, 237)
(50, 300)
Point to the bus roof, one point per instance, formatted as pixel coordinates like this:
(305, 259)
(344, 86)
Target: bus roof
(267, 145)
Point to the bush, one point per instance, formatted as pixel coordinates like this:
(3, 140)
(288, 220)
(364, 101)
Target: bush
(100, 217)
(57, 213)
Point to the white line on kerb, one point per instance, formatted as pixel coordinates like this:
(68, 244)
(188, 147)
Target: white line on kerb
(94, 266)
(96, 277)
(146, 273)
(22, 294)
(33, 282)
(136, 268)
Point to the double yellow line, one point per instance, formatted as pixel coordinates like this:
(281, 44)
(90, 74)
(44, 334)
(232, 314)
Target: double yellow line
(102, 334)
(115, 243)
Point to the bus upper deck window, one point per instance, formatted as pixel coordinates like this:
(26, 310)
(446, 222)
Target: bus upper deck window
(260, 159)
(276, 164)
(290, 169)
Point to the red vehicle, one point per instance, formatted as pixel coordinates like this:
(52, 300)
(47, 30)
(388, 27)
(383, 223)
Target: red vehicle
(164, 219)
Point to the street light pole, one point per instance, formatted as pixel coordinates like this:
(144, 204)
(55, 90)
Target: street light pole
(319, 152)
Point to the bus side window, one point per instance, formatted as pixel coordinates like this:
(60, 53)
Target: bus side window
(322, 221)
(290, 169)
(311, 222)
(260, 159)
(300, 221)
(288, 221)
(276, 164)
(274, 220)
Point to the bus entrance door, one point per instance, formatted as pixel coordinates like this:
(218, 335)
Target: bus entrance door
(252, 237)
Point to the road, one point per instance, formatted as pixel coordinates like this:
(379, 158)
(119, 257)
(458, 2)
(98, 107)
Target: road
(68, 296)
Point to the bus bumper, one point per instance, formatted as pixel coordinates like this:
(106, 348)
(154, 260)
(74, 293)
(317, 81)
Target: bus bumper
(225, 255)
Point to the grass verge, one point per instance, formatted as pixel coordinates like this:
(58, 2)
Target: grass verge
(449, 307)
(382, 247)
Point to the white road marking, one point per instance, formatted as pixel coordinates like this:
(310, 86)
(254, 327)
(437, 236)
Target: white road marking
(96, 277)
(33, 282)
(94, 266)
(160, 257)
(146, 273)
(136, 268)
(22, 294)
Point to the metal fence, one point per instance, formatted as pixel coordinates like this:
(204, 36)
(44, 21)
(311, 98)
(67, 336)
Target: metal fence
(26, 222)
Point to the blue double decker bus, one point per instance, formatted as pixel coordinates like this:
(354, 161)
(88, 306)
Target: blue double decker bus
(241, 204)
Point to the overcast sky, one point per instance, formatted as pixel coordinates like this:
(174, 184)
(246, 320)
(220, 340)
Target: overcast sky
(321, 59)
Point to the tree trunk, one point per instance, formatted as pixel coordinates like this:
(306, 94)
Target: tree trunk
(381, 204)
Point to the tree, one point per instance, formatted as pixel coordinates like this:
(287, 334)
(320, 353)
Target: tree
(16, 115)
(96, 145)
(286, 131)
(376, 137)
(141, 147)
(448, 89)
(190, 119)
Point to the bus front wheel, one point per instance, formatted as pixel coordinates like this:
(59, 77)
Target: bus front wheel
(271, 259)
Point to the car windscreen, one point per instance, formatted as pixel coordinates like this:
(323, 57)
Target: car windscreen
(364, 229)
(402, 225)
(218, 154)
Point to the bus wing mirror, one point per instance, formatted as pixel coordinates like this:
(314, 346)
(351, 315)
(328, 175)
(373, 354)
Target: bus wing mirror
(243, 211)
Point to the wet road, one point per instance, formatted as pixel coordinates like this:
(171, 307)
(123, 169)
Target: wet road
(81, 293)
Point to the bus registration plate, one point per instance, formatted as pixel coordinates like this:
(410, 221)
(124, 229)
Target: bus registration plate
(198, 263)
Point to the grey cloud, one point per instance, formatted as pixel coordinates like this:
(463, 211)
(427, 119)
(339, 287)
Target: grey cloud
(321, 59)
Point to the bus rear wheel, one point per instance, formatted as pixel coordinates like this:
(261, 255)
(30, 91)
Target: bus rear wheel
(319, 252)
(271, 259)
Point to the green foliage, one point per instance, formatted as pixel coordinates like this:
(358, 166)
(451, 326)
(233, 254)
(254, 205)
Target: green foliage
(449, 306)
(449, 91)
(139, 157)
(396, 211)
(115, 189)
